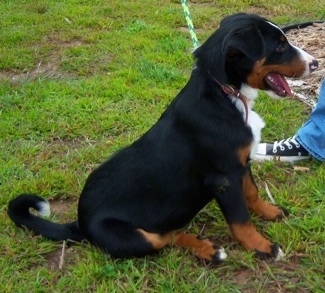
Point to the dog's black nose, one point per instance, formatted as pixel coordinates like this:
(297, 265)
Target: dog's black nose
(313, 65)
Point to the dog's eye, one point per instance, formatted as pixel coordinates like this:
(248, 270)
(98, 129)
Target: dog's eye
(280, 48)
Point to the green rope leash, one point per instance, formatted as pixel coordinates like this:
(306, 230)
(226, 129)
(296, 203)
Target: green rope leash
(190, 25)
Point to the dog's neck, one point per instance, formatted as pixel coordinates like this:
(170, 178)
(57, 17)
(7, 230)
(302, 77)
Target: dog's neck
(250, 93)
(234, 93)
(254, 121)
(243, 99)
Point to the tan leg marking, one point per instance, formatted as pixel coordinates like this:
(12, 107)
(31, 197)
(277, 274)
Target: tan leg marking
(156, 240)
(243, 154)
(249, 238)
(295, 68)
(202, 248)
(256, 204)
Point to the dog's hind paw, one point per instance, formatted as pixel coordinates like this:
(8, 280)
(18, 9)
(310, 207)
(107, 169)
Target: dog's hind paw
(276, 253)
(201, 247)
(280, 255)
(216, 255)
(219, 256)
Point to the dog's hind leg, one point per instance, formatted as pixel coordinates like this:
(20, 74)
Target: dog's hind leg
(121, 239)
(202, 248)
(258, 205)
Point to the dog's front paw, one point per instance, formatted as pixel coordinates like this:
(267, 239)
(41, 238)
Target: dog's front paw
(275, 252)
(285, 213)
(274, 213)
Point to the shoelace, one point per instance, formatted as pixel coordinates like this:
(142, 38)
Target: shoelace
(285, 142)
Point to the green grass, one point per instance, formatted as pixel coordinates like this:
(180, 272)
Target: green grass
(80, 79)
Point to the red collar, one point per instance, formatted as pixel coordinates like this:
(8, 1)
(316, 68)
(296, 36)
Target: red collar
(232, 92)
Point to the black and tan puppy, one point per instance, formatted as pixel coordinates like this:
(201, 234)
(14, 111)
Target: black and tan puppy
(199, 150)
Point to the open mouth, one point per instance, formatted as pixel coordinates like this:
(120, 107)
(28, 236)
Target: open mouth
(278, 84)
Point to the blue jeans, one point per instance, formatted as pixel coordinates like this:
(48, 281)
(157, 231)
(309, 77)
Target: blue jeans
(312, 134)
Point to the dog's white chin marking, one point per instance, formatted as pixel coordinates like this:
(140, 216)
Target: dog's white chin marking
(250, 93)
(255, 122)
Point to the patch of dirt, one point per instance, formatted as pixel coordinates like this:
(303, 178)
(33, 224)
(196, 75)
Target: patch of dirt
(64, 146)
(63, 207)
(73, 143)
(48, 69)
(277, 281)
(242, 276)
(61, 257)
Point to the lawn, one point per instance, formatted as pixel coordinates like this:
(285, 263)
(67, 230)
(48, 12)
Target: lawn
(79, 80)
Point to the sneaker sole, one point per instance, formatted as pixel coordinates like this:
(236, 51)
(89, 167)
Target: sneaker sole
(280, 158)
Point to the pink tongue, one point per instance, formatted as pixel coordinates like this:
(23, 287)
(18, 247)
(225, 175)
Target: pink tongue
(279, 81)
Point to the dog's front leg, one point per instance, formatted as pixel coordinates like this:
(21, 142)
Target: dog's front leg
(233, 206)
(258, 205)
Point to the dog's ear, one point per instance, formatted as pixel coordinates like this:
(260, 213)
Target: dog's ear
(246, 41)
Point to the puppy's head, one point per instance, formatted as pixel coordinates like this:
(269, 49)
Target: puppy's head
(248, 49)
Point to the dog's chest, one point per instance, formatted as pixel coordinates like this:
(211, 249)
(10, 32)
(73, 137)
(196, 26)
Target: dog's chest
(253, 120)
(256, 124)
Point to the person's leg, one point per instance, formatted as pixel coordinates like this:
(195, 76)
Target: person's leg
(309, 139)
(312, 134)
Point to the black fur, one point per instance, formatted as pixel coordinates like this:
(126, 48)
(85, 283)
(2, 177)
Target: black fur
(18, 211)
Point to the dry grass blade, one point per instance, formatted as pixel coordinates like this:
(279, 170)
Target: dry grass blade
(62, 255)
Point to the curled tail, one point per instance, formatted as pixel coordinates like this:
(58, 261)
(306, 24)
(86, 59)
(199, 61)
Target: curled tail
(18, 212)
